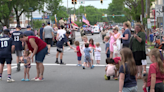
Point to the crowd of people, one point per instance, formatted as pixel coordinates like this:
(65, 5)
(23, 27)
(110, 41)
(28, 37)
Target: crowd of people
(126, 54)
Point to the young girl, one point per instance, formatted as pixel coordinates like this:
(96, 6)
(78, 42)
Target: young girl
(156, 72)
(128, 71)
(144, 80)
(110, 68)
(98, 53)
(85, 40)
(27, 65)
(92, 47)
(117, 60)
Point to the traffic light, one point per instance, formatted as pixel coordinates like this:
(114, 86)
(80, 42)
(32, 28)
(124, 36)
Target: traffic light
(113, 15)
(72, 1)
(101, 1)
(85, 14)
(75, 1)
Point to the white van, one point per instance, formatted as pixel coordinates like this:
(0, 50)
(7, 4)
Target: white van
(95, 29)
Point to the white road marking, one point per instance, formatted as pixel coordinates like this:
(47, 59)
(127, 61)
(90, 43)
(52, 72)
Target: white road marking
(52, 64)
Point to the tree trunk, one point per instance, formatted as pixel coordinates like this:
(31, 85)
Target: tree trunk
(148, 8)
(142, 9)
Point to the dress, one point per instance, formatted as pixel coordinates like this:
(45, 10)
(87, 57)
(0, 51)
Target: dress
(112, 40)
(92, 54)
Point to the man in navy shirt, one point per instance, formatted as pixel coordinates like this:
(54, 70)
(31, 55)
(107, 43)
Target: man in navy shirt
(40, 32)
(18, 45)
(6, 49)
(29, 32)
(62, 39)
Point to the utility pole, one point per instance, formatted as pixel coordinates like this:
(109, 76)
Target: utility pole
(163, 19)
(74, 10)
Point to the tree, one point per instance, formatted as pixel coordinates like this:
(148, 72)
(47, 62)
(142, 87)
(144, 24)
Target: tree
(6, 11)
(21, 6)
(116, 8)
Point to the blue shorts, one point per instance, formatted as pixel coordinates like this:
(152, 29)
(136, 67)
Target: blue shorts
(87, 59)
(39, 57)
(8, 60)
(79, 58)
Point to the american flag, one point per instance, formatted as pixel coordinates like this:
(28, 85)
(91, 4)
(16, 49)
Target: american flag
(85, 20)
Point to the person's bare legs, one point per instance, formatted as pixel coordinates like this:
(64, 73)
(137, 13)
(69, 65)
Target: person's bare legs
(37, 68)
(61, 56)
(9, 68)
(25, 71)
(144, 68)
(41, 69)
(1, 68)
(28, 75)
(49, 46)
(111, 54)
(139, 69)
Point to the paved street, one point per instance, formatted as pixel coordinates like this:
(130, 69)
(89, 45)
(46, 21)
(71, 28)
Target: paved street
(64, 78)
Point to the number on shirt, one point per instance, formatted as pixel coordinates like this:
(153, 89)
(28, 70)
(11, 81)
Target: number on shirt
(61, 37)
(4, 44)
(16, 38)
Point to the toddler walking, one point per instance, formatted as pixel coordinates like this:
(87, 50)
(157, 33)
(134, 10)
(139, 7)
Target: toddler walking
(87, 58)
(78, 53)
(27, 65)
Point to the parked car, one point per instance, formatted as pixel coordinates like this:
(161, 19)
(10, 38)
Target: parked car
(95, 29)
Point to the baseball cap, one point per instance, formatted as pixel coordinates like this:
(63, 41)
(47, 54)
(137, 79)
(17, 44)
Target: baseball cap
(48, 22)
(43, 24)
(18, 26)
(28, 26)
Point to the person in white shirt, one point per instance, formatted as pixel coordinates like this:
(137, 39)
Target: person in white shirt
(60, 32)
(98, 53)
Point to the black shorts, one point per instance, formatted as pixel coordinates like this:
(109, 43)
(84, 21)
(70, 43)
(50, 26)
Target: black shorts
(48, 41)
(8, 60)
(60, 50)
(139, 56)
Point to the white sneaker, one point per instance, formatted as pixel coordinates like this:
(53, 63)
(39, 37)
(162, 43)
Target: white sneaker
(10, 80)
(38, 79)
(33, 79)
(0, 78)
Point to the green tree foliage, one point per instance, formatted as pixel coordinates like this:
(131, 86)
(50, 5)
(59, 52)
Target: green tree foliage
(116, 8)
(37, 24)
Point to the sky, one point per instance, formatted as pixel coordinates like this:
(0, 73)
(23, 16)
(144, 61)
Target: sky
(95, 3)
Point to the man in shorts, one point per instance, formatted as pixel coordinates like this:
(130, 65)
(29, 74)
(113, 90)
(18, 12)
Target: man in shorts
(18, 45)
(62, 39)
(6, 49)
(48, 36)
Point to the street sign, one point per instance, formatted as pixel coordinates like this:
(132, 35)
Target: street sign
(105, 15)
(158, 11)
(148, 21)
(82, 1)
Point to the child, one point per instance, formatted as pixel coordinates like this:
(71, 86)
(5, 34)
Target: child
(92, 47)
(144, 80)
(98, 53)
(156, 72)
(78, 53)
(85, 40)
(110, 68)
(117, 62)
(127, 72)
(27, 64)
(87, 58)
(107, 51)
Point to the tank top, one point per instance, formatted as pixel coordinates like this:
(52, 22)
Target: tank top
(41, 44)
(41, 33)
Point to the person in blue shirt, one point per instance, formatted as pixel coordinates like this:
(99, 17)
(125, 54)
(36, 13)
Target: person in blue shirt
(29, 32)
(18, 45)
(87, 57)
(40, 32)
(6, 49)
(62, 39)
(151, 38)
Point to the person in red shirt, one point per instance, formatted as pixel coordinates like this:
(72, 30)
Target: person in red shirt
(156, 72)
(117, 60)
(78, 53)
(39, 50)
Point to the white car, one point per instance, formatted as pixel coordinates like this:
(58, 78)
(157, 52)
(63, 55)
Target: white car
(95, 29)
